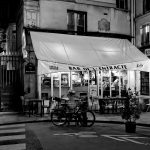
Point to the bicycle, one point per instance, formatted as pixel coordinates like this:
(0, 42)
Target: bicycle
(63, 114)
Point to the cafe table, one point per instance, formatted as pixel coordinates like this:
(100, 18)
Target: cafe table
(114, 104)
(35, 106)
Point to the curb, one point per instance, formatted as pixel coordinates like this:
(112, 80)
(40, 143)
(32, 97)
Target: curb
(48, 120)
(21, 122)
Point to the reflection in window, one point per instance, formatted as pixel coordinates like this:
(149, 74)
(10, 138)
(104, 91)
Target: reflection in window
(115, 83)
(80, 78)
(106, 83)
(145, 31)
(124, 82)
(146, 6)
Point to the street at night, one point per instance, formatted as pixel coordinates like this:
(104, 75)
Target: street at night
(100, 136)
(74, 75)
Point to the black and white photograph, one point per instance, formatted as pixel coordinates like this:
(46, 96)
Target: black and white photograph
(74, 74)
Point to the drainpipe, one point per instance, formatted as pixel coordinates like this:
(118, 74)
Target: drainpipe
(132, 16)
(0, 83)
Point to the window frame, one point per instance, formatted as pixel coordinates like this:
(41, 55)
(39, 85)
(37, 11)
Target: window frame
(145, 34)
(76, 25)
(146, 6)
(125, 4)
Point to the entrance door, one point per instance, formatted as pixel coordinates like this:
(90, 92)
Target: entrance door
(10, 77)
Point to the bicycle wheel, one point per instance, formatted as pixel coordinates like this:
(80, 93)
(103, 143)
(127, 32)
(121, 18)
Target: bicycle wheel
(58, 117)
(86, 118)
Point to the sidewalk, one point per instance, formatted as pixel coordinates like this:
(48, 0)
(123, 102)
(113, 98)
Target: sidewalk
(13, 117)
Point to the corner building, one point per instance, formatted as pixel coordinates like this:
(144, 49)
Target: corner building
(110, 21)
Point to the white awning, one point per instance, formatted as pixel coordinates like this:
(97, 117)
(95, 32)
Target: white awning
(85, 51)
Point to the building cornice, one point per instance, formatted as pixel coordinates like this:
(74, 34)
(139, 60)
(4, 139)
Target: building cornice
(141, 16)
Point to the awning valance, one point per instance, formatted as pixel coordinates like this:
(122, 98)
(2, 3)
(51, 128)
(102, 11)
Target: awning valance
(85, 51)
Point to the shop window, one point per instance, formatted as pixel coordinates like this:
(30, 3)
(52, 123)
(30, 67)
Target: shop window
(115, 83)
(146, 6)
(145, 31)
(45, 82)
(144, 83)
(80, 78)
(106, 84)
(77, 21)
(31, 19)
(122, 4)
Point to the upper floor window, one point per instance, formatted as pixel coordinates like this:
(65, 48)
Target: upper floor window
(77, 21)
(122, 4)
(145, 34)
(146, 6)
(144, 83)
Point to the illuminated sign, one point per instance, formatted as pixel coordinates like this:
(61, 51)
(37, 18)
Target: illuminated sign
(112, 67)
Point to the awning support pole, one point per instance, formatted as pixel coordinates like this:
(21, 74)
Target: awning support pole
(38, 82)
(59, 85)
(39, 86)
(110, 93)
(88, 85)
(119, 84)
(52, 93)
(97, 83)
(70, 80)
(101, 84)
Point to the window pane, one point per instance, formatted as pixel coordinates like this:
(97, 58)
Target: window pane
(147, 34)
(147, 5)
(80, 19)
(70, 18)
(124, 82)
(144, 83)
(145, 31)
(126, 4)
(80, 22)
(115, 83)
(141, 34)
(122, 4)
(71, 23)
(117, 4)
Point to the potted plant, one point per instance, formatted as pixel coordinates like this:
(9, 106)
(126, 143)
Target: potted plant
(131, 112)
